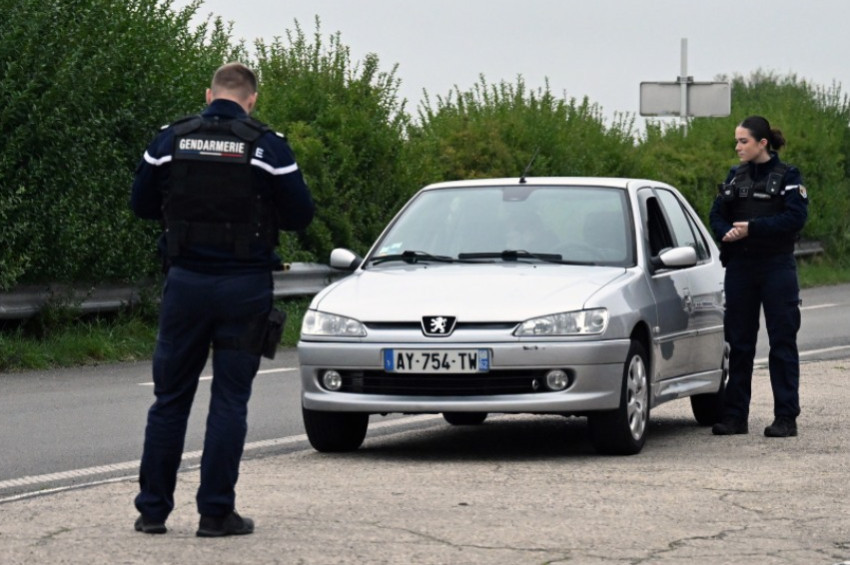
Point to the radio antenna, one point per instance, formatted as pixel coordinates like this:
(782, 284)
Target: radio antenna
(528, 167)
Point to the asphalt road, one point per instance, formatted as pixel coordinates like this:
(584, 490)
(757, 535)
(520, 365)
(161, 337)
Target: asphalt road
(84, 417)
(73, 426)
(516, 490)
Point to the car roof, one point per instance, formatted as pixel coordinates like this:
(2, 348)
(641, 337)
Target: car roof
(612, 182)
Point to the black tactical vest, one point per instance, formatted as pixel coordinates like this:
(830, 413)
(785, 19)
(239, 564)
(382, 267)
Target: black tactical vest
(211, 198)
(756, 199)
(747, 199)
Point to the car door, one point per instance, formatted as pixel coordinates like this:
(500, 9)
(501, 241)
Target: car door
(671, 288)
(705, 283)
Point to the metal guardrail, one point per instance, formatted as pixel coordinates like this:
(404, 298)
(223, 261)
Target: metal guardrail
(807, 248)
(300, 279)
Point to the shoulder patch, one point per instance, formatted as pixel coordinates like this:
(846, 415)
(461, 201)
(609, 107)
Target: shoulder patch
(799, 188)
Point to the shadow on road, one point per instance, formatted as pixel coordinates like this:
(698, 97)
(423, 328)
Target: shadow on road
(509, 438)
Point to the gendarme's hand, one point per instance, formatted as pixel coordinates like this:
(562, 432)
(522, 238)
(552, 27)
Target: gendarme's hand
(739, 230)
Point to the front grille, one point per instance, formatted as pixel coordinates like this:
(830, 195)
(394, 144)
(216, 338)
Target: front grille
(473, 384)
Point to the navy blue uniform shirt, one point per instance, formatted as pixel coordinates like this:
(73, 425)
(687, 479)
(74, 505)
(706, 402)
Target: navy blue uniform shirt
(275, 173)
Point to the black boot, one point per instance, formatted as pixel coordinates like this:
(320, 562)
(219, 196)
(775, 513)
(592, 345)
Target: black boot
(148, 526)
(729, 425)
(782, 426)
(230, 525)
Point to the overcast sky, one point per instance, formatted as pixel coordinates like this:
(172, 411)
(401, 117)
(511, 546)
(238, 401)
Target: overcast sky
(602, 49)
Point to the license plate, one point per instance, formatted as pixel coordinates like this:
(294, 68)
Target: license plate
(437, 360)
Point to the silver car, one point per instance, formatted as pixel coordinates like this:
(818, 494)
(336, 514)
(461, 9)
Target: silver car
(596, 297)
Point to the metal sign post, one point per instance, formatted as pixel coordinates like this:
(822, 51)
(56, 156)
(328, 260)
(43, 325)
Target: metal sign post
(684, 80)
(685, 98)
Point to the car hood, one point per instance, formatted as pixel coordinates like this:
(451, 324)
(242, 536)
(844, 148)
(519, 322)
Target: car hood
(472, 293)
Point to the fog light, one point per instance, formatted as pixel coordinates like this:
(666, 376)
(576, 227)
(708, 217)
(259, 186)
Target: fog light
(557, 379)
(332, 380)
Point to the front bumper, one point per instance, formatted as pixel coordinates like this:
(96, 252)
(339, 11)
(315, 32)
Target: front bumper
(595, 369)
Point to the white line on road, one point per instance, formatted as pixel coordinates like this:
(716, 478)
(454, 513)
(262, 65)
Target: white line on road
(816, 306)
(763, 360)
(133, 466)
(824, 350)
(263, 372)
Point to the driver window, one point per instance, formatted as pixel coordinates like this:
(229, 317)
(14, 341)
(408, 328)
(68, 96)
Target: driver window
(681, 223)
(657, 229)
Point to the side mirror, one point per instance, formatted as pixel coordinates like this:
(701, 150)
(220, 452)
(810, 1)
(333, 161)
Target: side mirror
(675, 258)
(345, 259)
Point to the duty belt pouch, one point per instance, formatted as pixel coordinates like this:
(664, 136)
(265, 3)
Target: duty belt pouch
(273, 332)
(262, 335)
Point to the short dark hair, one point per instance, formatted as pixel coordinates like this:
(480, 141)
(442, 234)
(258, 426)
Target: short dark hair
(759, 128)
(236, 78)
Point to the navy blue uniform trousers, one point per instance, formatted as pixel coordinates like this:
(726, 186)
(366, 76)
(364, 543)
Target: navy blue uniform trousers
(196, 310)
(753, 282)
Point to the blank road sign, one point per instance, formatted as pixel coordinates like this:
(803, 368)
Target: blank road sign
(705, 99)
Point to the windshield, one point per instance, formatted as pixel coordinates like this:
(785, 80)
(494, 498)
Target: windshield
(572, 224)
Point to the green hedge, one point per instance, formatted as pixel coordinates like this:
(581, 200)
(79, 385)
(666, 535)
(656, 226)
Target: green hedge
(86, 84)
(347, 130)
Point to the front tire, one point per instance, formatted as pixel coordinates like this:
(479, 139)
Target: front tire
(335, 432)
(465, 418)
(623, 431)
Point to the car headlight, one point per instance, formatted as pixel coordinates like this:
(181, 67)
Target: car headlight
(324, 324)
(582, 322)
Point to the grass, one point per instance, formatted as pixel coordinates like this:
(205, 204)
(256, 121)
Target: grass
(60, 338)
(817, 272)
(79, 341)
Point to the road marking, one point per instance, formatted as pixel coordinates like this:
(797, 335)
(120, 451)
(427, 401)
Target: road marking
(824, 350)
(763, 361)
(131, 468)
(817, 306)
(263, 372)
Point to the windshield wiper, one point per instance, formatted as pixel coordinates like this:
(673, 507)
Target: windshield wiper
(517, 254)
(411, 257)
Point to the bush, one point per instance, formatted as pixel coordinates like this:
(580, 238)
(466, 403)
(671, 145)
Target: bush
(85, 85)
(347, 130)
(495, 130)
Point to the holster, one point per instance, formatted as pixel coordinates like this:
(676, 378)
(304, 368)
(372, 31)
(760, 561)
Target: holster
(273, 332)
(261, 338)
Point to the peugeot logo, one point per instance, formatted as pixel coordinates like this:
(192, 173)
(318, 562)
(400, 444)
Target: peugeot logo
(438, 326)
